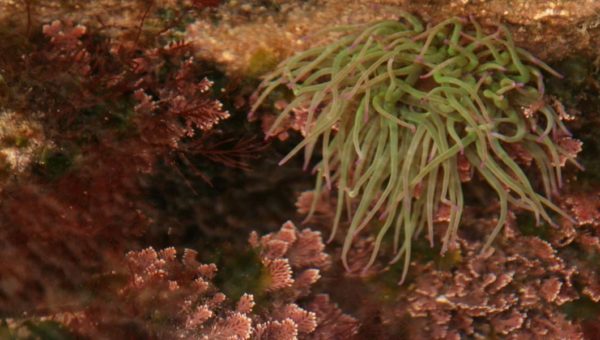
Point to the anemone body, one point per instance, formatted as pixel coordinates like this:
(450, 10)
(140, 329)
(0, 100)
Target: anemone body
(398, 109)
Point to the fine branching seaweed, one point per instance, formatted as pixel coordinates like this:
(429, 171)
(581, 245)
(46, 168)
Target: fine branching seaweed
(398, 110)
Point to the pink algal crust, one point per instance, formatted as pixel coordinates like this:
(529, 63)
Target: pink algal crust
(585, 234)
(512, 291)
(585, 207)
(358, 257)
(324, 211)
(332, 323)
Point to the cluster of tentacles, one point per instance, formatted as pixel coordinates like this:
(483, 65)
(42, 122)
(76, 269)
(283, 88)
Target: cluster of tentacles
(395, 107)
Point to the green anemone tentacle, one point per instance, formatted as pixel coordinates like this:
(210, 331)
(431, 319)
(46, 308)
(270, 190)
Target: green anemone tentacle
(391, 106)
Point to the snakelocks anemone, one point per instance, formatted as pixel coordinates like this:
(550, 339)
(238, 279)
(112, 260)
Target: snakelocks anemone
(398, 109)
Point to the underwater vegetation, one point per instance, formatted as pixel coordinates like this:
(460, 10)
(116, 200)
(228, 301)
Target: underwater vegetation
(403, 113)
(85, 121)
(161, 294)
(138, 202)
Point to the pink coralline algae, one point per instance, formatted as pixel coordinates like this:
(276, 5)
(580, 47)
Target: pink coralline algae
(116, 221)
(67, 47)
(513, 291)
(585, 234)
(296, 122)
(175, 297)
(294, 260)
(324, 207)
(110, 114)
(289, 251)
(585, 207)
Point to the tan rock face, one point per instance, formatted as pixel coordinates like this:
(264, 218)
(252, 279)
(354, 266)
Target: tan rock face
(244, 35)
(550, 29)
